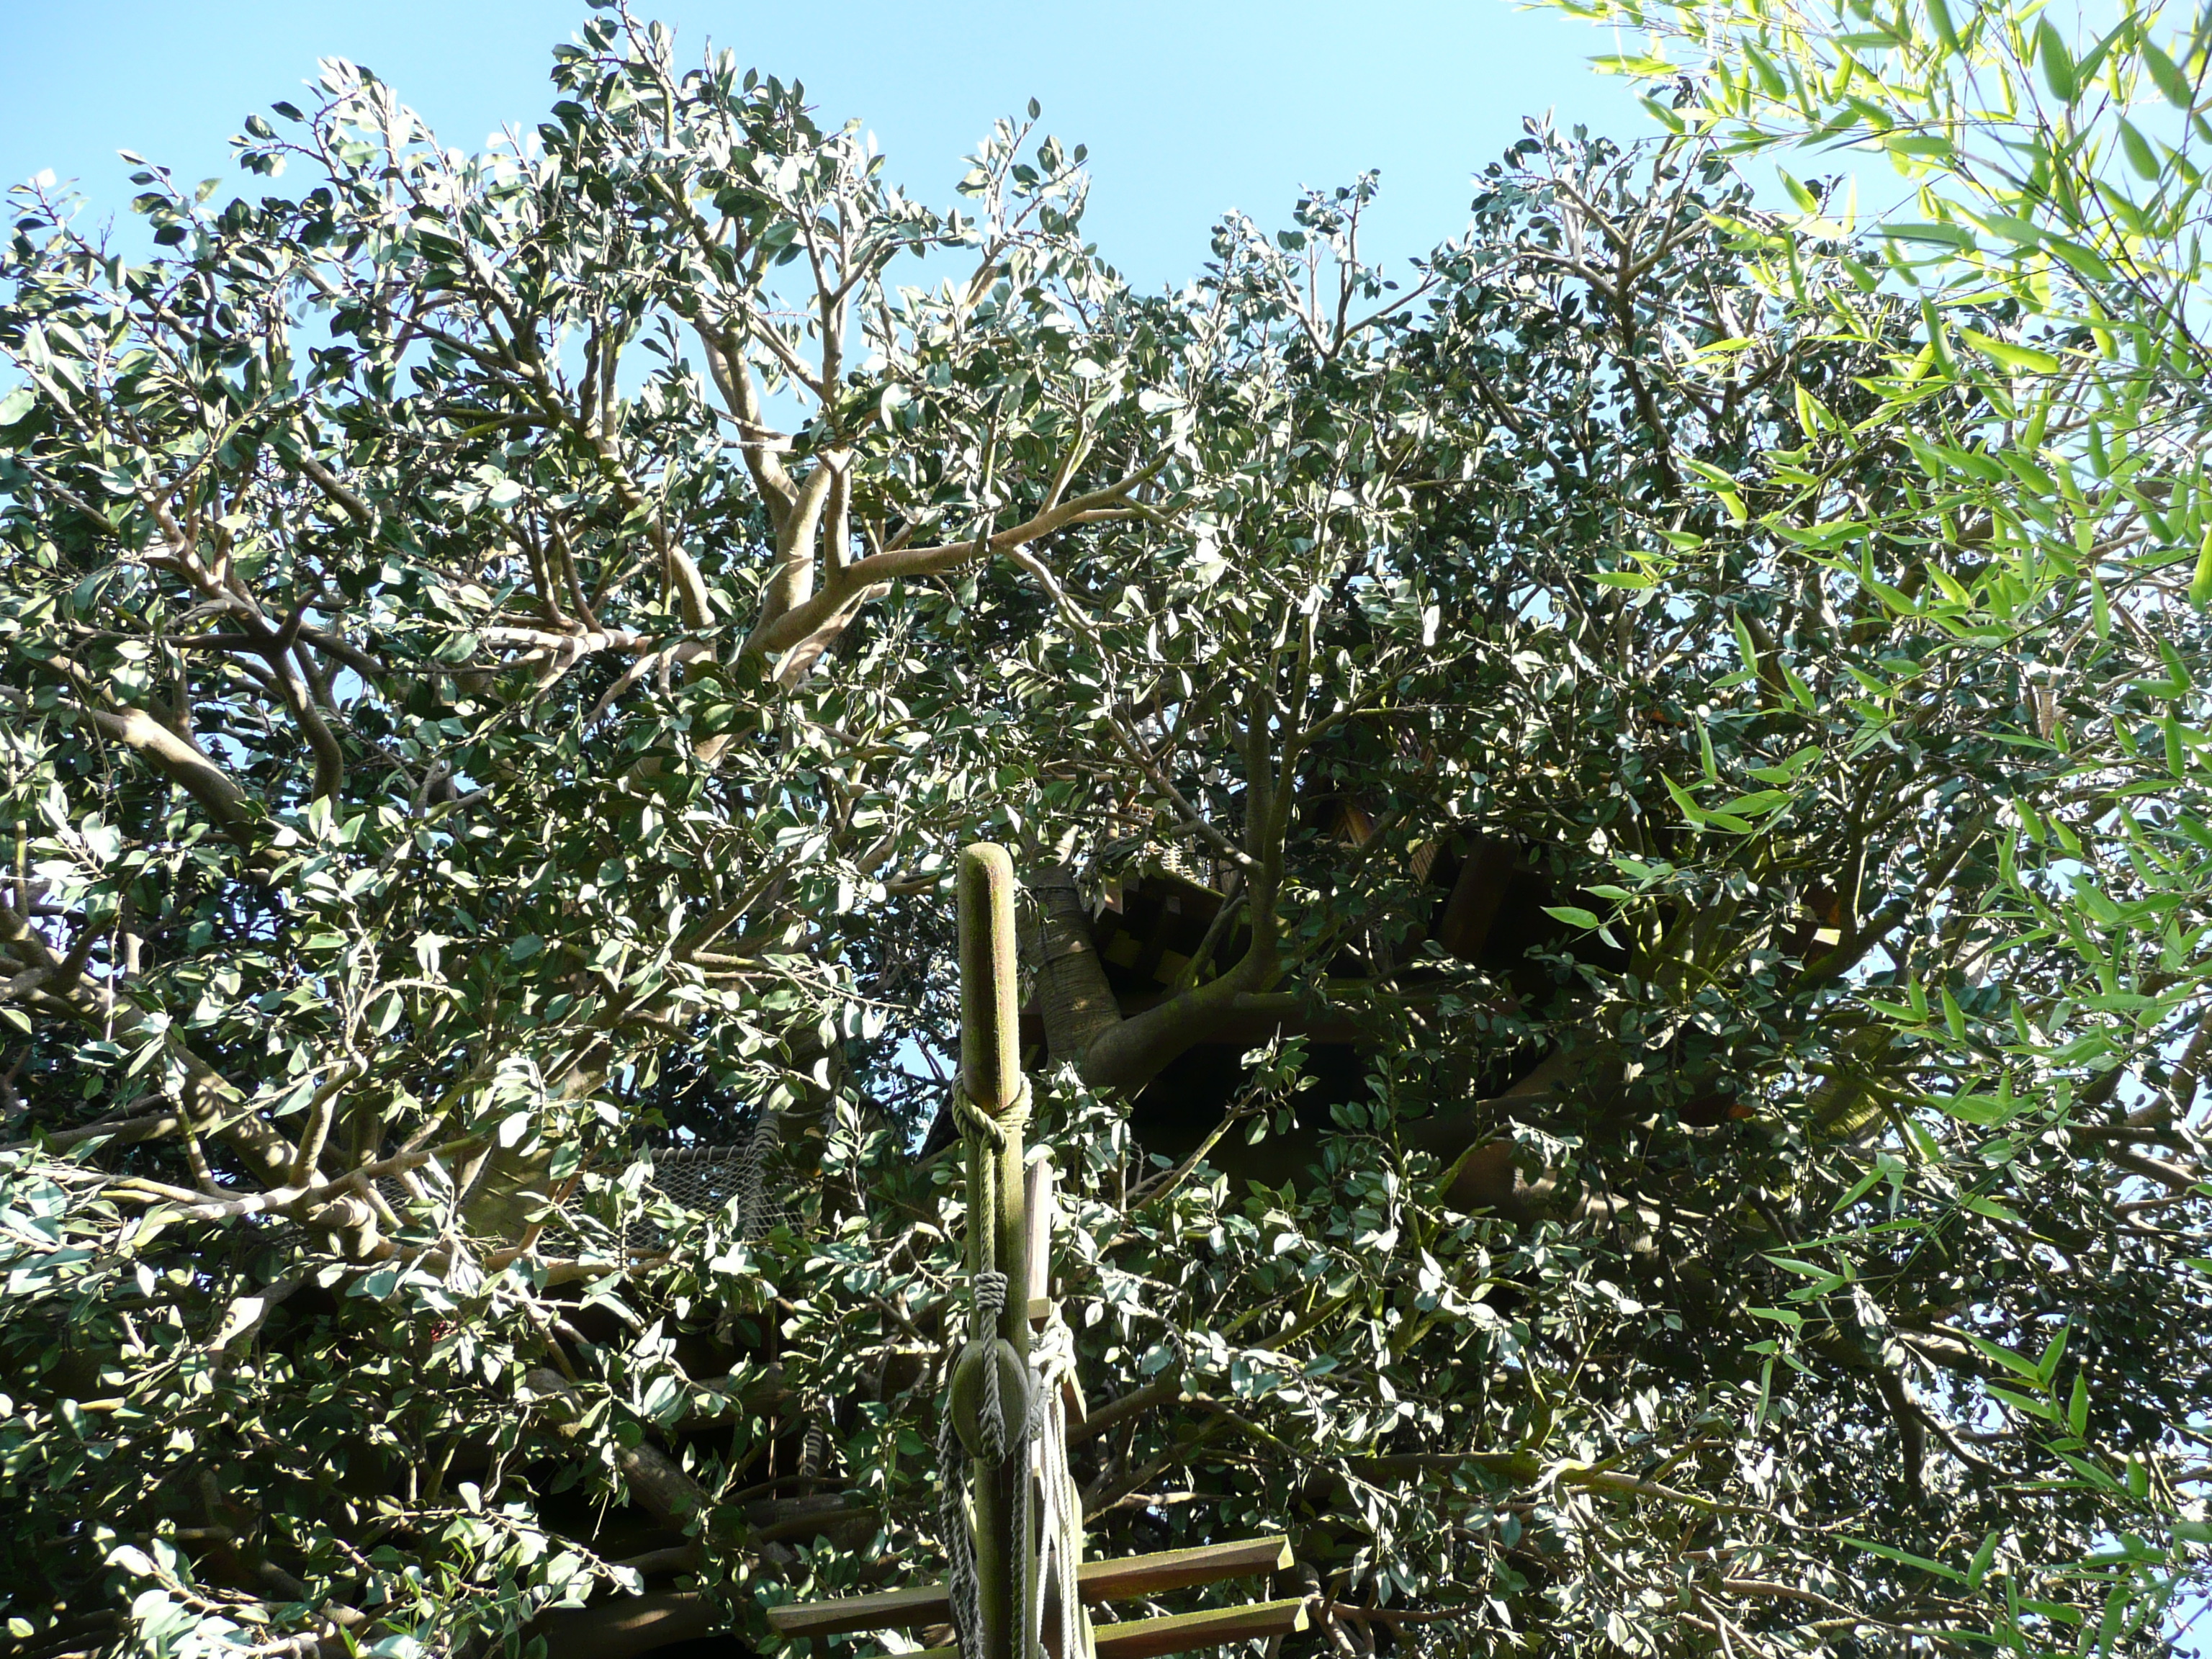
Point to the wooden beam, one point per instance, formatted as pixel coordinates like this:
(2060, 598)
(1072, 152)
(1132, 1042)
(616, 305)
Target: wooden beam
(1472, 910)
(1100, 1581)
(991, 1075)
(898, 1609)
(1180, 1633)
(1042, 1204)
(1203, 1564)
(1186, 1633)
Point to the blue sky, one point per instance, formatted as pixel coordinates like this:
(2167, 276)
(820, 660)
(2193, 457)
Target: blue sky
(1189, 108)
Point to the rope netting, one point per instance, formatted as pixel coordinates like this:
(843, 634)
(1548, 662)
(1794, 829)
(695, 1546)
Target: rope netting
(699, 1180)
(696, 1180)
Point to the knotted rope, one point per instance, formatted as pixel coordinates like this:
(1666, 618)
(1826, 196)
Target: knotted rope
(1060, 1550)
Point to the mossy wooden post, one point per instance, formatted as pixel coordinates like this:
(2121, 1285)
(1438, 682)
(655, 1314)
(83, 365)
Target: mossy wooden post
(991, 1072)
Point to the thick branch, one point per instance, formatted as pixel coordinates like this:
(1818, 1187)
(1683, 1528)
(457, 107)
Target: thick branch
(791, 582)
(779, 632)
(661, 1488)
(177, 758)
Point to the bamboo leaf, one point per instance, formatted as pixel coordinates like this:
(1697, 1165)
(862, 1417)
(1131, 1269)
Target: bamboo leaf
(2057, 61)
(2026, 359)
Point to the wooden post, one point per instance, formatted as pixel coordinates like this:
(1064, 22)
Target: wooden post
(1042, 1199)
(990, 1072)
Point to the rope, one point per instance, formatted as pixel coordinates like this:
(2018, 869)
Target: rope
(1060, 1551)
(983, 1343)
(979, 1123)
(957, 1528)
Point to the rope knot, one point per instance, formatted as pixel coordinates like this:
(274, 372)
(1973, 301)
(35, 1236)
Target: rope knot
(990, 1292)
(980, 1123)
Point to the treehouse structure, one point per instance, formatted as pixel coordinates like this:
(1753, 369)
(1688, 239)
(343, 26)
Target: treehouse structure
(1161, 927)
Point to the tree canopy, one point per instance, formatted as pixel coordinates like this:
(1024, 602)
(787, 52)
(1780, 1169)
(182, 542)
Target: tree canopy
(1677, 1130)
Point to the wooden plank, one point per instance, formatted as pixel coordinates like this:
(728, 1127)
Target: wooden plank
(1180, 1633)
(1100, 1581)
(898, 1609)
(1043, 1211)
(1203, 1564)
(1155, 947)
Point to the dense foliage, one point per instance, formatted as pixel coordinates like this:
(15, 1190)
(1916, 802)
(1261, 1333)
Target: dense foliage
(500, 649)
(2051, 166)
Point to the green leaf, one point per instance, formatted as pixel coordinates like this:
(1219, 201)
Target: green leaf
(1950, 236)
(2200, 584)
(1887, 1553)
(2004, 1356)
(1979, 1568)
(1858, 1190)
(1825, 1279)
(2138, 151)
(1984, 1110)
(1688, 802)
(2026, 359)
(2042, 1410)
(2046, 1369)
(2168, 77)
(1573, 915)
(1746, 645)
(2085, 260)
(1800, 693)
(1759, 801)
(16, 404)
(2057, 61)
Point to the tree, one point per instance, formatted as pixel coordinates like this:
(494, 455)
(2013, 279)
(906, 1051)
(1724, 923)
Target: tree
(461, 758)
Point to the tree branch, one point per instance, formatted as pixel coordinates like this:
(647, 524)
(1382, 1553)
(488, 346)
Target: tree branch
(779, 633)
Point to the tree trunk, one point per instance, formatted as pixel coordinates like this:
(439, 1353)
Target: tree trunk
(1077, 1004)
